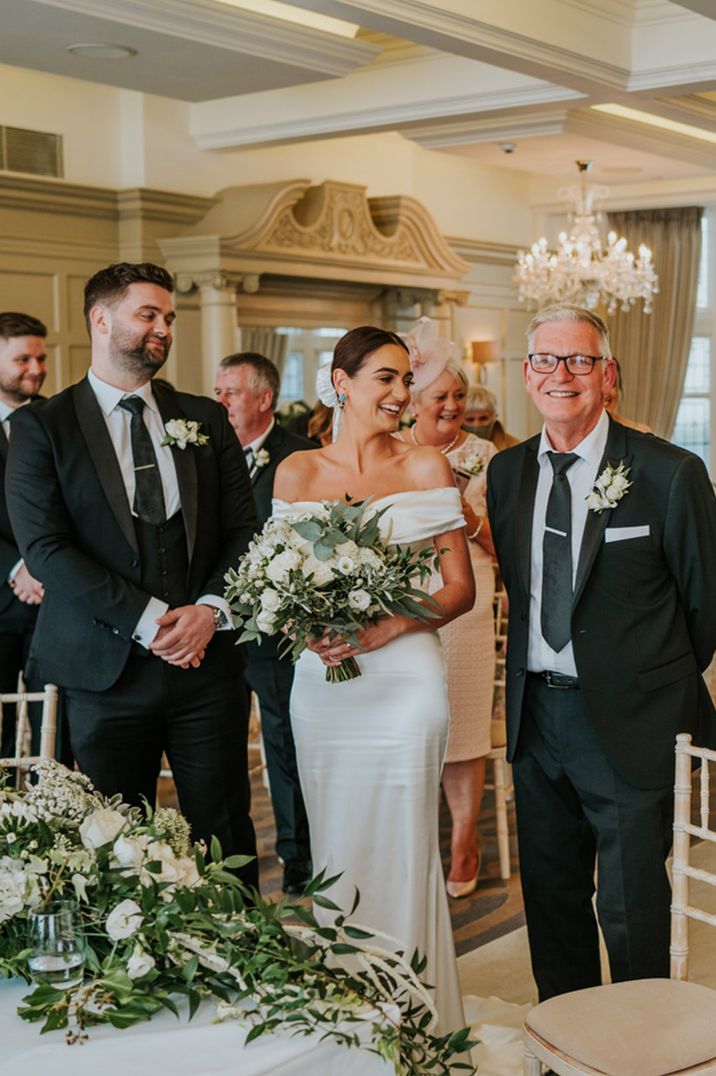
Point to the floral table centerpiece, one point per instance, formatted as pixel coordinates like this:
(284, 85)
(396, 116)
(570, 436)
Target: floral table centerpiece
(326, 570)
(161, 921)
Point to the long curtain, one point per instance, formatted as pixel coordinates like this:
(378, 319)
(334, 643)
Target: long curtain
(653, 349)
(266, 342)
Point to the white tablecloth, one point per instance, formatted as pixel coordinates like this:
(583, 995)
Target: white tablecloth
(165, 1046)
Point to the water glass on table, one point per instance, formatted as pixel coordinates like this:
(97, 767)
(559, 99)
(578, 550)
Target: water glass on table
(57, 945)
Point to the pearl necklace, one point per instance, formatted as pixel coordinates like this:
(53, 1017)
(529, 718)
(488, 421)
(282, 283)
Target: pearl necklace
(444, 450)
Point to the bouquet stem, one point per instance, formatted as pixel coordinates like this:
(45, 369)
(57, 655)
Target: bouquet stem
(347, 670)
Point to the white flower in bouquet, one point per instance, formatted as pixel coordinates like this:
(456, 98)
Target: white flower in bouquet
(15, 888)
(130, 852)
(471, 464)
(101, 827)
(124, 920)
(139, 963)
(331, 566)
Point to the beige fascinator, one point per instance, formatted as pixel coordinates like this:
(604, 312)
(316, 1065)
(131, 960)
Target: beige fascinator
(428, 352)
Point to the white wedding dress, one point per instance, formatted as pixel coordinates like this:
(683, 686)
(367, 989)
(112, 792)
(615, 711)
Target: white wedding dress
(370, 754)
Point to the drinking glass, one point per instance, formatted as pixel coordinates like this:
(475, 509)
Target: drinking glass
(57, 945)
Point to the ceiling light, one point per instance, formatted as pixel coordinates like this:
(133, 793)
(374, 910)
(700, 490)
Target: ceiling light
(581, 271)
(657, 121)
(101, 50)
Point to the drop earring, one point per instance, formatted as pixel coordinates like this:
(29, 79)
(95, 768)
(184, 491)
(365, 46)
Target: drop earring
(341, 399)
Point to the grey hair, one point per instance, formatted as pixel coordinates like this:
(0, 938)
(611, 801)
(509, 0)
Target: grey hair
(480, 398)
(569, 312)
(452, 366)
(263, 376)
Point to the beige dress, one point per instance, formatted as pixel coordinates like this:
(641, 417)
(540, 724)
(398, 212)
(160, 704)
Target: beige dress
(469, 641)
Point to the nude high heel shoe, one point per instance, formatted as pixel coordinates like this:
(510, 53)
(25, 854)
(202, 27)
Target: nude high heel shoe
(464, 889)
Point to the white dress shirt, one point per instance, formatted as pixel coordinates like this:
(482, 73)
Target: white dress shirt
(118, 422)
(254, 447)
(5, 414)
(581, 476)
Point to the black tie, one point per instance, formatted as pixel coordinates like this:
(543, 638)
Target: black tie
(148, 492)
(557, 555)
(249, 454)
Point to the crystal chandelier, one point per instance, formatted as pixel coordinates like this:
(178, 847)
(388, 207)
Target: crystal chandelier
(581, 271)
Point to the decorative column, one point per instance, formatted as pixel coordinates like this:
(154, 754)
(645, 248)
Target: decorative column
(216, 333)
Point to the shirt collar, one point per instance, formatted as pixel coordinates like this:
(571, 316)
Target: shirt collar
(591, 448)
(108, 396)
(5, 411)
(256, 445)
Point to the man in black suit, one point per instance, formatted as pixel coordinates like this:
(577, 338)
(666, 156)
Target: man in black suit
(612, 587)
(129, 502)
(23, 368)
(248, 385)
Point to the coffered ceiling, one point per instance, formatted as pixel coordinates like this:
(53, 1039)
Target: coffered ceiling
(524, 84)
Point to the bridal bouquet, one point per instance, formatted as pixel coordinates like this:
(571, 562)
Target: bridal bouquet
(160, 923)
(328, 569)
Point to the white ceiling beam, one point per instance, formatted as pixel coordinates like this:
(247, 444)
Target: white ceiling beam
(502, 128)
(640, 136)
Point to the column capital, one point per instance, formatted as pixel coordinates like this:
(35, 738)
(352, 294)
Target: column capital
(218, 280)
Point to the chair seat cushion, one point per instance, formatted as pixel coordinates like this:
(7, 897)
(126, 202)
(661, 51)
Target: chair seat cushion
(649, 1027)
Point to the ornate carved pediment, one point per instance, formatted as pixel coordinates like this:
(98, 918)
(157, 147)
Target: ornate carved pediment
(328, 231)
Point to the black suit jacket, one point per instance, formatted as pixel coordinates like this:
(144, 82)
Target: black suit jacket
(644, 609)
(71, 517)
(15, 616)
(279, 444)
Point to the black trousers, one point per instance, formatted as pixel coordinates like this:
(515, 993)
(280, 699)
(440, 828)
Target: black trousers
(271, 679)
(573, 808)
(14, 648)
(199, 719)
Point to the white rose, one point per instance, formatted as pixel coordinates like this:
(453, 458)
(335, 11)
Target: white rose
(266, 622)
(177, 429)
(124, 920)
(277, 570)
(162, 852)
(270, 600)
(139, 963)
(130, 851)
(188, 875)
(101, 827)
(618, 484)
(321, 571)
(359, 600)
(594, 501)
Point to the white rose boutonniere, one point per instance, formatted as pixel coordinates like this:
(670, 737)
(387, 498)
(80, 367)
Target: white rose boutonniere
(610, 487)
(261, 458)
(472, 464)
(182, 432)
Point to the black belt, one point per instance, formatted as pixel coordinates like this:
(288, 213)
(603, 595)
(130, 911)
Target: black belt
(557, 679)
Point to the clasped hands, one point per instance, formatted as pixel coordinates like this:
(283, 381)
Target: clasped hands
(183, 636)
(332, 651)
(26, 588)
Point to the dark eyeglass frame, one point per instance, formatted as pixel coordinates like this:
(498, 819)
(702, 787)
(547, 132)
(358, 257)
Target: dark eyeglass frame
(566, 359)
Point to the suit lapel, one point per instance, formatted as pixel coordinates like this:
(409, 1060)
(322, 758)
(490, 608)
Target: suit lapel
(101, 450)
(185, 464)
(525, 511)
(272, 445)
(614, 451)
(3, 443)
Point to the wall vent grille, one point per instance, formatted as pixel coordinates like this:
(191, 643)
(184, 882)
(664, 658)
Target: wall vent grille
(33, 152)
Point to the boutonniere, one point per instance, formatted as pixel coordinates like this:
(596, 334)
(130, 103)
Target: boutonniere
(182, 432)
(261, 458)
(472, 464)
(610, 487)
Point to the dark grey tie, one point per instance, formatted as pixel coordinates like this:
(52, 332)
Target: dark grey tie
(249, 454)
(148, 492)
(557, 555)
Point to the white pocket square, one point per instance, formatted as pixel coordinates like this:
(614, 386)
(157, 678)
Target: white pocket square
(620, 534)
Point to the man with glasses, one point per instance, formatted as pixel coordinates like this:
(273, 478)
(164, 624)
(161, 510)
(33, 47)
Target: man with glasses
(606, 539)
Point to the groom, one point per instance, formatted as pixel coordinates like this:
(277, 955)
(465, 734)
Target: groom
(612, 619)
(130, 532)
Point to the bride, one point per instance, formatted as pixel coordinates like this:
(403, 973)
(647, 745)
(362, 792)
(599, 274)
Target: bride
(370, 750)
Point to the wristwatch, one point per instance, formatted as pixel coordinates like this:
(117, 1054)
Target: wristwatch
(220, 618)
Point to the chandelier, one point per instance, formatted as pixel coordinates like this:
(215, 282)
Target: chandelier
(582, 271)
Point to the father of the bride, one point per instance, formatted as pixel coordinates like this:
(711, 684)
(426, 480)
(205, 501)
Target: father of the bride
(129, 502)
(606, 539)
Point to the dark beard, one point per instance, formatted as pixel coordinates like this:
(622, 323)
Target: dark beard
(137, 359)
(18, 395)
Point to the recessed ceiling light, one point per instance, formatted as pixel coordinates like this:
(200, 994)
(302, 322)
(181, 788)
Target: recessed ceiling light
(101, 50)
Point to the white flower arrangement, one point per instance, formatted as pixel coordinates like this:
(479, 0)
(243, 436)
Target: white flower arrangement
(328, 569)
(182, 432)
(162, 922)
(610, 487)
(472, 464)
(261, 458)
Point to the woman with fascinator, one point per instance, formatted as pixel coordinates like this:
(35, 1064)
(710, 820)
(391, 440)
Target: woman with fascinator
(370, 749)
(469, 643)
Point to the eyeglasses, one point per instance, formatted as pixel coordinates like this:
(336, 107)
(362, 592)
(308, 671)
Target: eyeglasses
(579, 365)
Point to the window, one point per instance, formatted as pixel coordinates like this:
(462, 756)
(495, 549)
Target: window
(695, 426)
(307, 350)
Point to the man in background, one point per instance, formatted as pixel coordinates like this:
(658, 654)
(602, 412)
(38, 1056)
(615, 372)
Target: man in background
(248, 385)
(23, 368)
